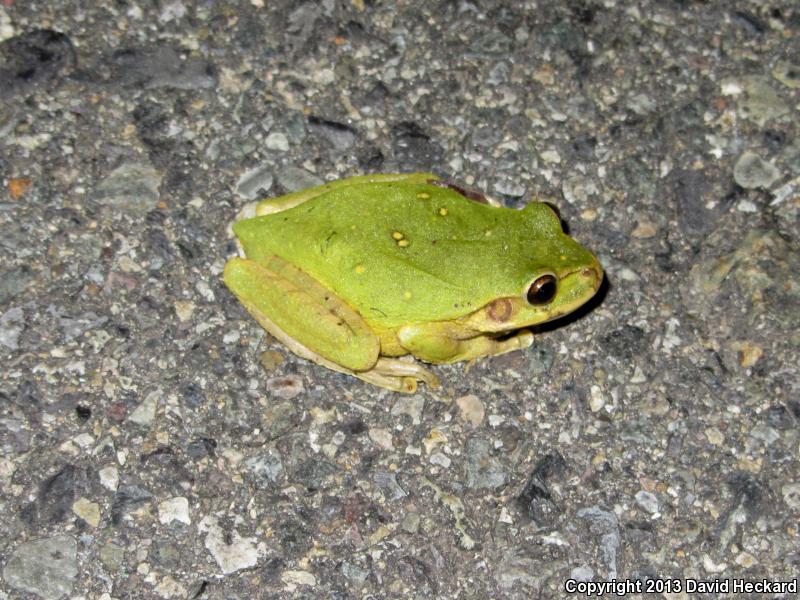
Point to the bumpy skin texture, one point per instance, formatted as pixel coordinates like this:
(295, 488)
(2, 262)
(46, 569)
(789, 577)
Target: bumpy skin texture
(387, 265)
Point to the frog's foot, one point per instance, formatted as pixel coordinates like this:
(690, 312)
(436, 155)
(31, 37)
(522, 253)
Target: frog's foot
(398, 375)
(520, 340)
(391, 374)
(489, 346)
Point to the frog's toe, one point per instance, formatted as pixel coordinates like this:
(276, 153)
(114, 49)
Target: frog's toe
(399, 375)
(409, 385)
(406, 385)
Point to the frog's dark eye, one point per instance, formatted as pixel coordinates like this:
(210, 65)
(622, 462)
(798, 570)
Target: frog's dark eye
(543, 290)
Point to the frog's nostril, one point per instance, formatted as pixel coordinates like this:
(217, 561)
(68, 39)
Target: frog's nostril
(594, 272)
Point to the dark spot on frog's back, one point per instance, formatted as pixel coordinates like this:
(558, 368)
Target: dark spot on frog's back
(377, 311)
(468, 193)
(326, 243)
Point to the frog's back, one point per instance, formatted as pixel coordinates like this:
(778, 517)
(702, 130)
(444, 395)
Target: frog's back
(401, 252)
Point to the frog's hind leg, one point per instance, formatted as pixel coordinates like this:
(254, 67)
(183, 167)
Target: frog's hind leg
(314, 323)
(283, 298)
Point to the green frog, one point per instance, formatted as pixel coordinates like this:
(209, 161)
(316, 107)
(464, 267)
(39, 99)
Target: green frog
(361, 274)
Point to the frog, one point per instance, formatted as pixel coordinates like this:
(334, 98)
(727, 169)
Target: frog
(373, 274)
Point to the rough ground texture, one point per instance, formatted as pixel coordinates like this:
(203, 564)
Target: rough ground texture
(155, 443)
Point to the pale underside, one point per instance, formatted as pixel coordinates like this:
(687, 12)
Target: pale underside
(344, 341)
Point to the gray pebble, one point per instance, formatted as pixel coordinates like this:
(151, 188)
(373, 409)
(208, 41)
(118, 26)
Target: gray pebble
(14, 281)
(765, 433)
(647, 501)
(294, 178)
(340, 136)
(11, 324)
(45, 567)
(511, 188)
(751, 171)
(388, 482)
(791, 495)
(160, 67)
(277, 141)
(481, 469)
(761, 103)
(354, 573)
(583, 573)
(605, 525)
(131, 187)
(491, 44)
(266, 466)
(409, 405)
(255, 183)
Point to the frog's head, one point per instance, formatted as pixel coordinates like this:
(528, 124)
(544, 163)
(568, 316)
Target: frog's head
(554, 276)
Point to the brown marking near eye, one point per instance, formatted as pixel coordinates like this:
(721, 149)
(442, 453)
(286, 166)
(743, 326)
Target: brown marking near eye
(500, 310)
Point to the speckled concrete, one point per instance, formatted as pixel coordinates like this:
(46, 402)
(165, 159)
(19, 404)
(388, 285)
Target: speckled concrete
(157, 444)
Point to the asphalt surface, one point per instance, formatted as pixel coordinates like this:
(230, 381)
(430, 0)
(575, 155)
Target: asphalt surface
(156, 443)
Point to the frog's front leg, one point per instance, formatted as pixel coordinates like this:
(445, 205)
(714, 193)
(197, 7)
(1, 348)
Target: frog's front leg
(450, 342)
(314, 323)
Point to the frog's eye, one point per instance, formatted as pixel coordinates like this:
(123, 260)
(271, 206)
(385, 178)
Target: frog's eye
(542, 290)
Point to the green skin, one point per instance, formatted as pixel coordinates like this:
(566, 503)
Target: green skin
(355, 273)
